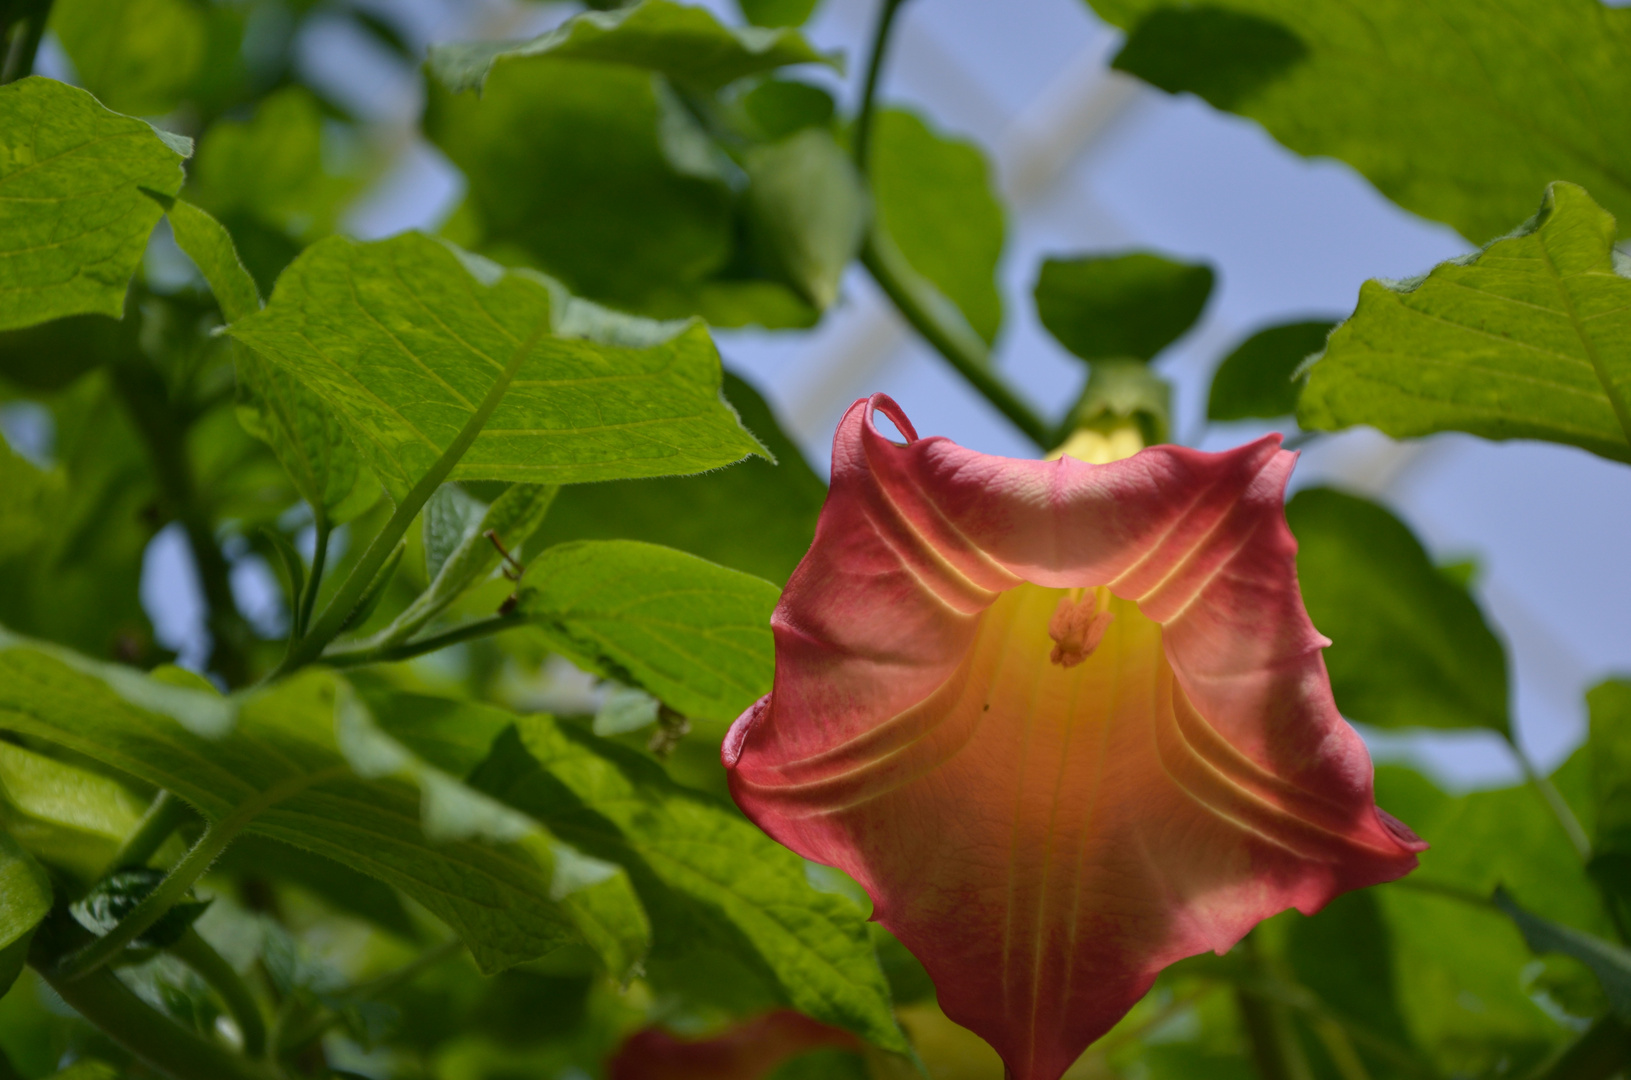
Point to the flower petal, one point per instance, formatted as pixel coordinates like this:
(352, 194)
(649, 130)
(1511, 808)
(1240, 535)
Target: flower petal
(749, 1051)
(1047, 834)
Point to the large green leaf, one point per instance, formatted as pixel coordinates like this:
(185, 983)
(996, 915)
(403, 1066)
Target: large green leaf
(1459, 110)
(933, 196)
(807, 209)
(1609, 962)
(1111, 306)
(404, 337)
(67, 816)
(280, 746)
(25, 898)
(1409, 646)
(690, 633)
(73, 219)
(683, 42)
(1610, 747)
(136, 56)
(1529, 339)
(757, 516)
(1256, 380)
(714, 884)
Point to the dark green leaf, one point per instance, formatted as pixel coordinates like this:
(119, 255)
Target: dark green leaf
(1409, 646)
(777, 108)
(75, 221)
(692, 634)
(1529, 339)
(1610, 747)
(755, 516)
(404, 336)
(1345, 954)
(49, 356)
(29, 500)
(1609, 962)
(136, 56)
(1110, 306)
(777, 12)
(1490, 100)
(710, 879)
(25, 898)
(118, 894)
(1255, 381)
(683, 42)
(933, 196)
(336, 884)
(216, 753)
(807, 210)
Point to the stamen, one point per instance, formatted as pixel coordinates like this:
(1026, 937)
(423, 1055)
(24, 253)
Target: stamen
(1077, 627)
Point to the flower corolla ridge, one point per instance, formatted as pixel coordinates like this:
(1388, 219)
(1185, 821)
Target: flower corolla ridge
(1065, 723)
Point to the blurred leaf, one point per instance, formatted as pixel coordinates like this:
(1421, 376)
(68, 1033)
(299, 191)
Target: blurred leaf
(25, 899)
(88, 1070)
(449, 520)
(1609, 745)
(67, 816)
(685, 43)
(1609, 962)
(1409, 646)
(1492, 100)
(136, 56)
(933, 195)
(807, 209)
(404, 336)
(1114, 306)
(217, 753)
(1255, 381)
(334, 883)
(49, 356)
(77, 222)
(118, 894)
(614, 189)
(756, 516)
(909, 983)
(777, 12)
(709, 878)
(690, 633)
(1528, 339)
(777, 108)
(29, 500)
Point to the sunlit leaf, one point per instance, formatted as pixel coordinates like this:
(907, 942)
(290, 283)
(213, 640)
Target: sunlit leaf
(1528, 339)
(136, 56)
(1110, 306)
(403, 337)
(1255, 380)
(933, 195)
(1409, 646)
(690, 633)
(684, 42)
(73, 218)
(69, 817)
(1459, 111)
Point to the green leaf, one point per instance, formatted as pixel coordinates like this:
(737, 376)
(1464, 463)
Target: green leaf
(209, 246)
(25, 899)
(1609, 962)
(405, 336)
(136, 56)
(757, 516)
(67, 816)
(685, 43)
(217, 753)
(337, 885)
(29, 498)
(711, 881)
(1528, 339)
(777, 108)
(1257, 379)
(933, 196)
(777, 12)
(615, 189)
(692, 634)
(1609, 744)
(1490, 101)
(1112, 306)
(1409, 646)
(807, 209)
(1345, 955)
(75, 221)
(118, 894)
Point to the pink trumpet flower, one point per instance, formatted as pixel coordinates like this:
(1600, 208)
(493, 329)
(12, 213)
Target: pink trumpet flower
(749, 1051)
(1066, 723)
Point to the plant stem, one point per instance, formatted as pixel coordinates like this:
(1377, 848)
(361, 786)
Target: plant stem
(1554, 800)
(861, 147)
(158, 1041)
(350, 593)
(182, 877)
(212, 967)
(314, 580)
(973, 364)
(163, 815)
(408, 650)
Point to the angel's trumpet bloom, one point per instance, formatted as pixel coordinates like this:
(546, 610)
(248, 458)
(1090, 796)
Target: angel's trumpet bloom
(1066, 723)
(751, 1050)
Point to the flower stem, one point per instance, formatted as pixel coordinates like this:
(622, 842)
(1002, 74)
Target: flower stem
(408, 650)
(163, 815)
(212, 967)
(861, 147)
(307, 603)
